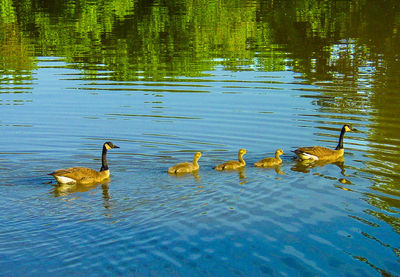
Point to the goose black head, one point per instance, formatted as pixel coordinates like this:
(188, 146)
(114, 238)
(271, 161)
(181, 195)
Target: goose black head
(109, 145)
(348, 128)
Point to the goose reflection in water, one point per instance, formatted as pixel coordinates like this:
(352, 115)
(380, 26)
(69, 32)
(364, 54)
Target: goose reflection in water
(69, 189)
(305, 166)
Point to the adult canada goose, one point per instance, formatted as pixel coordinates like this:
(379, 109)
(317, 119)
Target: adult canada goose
(322, 153)
(270, 161)
(84, 175)
(186, 167)
(233, 164)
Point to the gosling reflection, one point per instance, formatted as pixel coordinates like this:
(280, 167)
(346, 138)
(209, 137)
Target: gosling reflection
(241, 173)
(185, 175)
(276, 168)
(305, 166)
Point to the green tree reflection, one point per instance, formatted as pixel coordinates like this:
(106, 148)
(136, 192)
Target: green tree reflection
(15, 57)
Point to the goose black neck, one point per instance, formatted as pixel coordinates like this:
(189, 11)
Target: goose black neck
(340, 144)
(104, 164)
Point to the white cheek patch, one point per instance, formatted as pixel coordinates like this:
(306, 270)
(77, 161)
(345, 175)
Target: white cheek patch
(64, 180)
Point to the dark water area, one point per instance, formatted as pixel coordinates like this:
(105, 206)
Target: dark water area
(165, 79)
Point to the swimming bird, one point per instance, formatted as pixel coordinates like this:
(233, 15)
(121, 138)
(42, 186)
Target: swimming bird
(270, 161)
(84, 175)
(186, 167)
(315, 153)
(233, 164)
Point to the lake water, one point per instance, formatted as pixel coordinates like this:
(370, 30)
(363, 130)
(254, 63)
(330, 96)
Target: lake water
(164, 80)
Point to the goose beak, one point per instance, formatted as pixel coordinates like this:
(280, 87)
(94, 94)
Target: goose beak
(116, 146)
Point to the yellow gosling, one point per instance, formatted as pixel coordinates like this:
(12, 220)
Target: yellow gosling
(316, 153)
(186, 167)
(268, 162)
(233, 164)
(84, 175)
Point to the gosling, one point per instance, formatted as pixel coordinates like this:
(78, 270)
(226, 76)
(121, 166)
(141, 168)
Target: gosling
(268, 162)
(233, 164)
(186, 167)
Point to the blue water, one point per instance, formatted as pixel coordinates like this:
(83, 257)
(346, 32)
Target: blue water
(315, 221)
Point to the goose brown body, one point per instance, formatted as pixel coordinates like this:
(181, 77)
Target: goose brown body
(323, 153)
(318, 153)
(233, 164)
(84, 175)
(270, 161)
(81, 175)
(186, 167)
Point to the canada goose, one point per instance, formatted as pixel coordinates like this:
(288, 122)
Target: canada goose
(84, 175)
(270, 161)
(186, 167)
(323, 153)
(233, 164)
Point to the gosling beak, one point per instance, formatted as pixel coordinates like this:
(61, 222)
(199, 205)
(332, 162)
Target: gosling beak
(116, 146)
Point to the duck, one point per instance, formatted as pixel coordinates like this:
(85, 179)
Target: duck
(186, 167)
(267, 162)
(84, 175)
(319, 153)
(233, 164)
